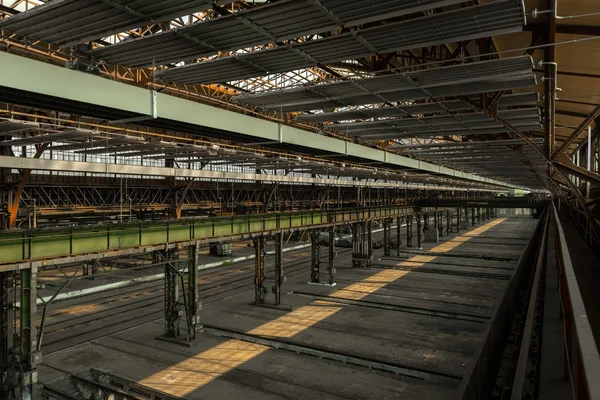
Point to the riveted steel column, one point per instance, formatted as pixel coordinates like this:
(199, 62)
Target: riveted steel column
(448, 222)
(472, 217)
(7, 334)
(260, 255)
(193, 304)
(398, 235)
(168, 258)
(30, 357)
(387, 236)
(279, 278)
(330, 265)
(315, 256)
(409, 221)
(419, 229)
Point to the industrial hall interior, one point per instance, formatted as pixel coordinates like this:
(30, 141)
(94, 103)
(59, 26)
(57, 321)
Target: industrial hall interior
(299, 199)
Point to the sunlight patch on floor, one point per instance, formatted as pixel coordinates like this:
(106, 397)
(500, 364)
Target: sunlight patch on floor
(197, 371)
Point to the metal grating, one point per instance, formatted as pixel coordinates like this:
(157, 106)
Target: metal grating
(70, 22)
(257, 26)
(490, 19)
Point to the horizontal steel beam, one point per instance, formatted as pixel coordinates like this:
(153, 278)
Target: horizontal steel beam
(120, 169)
(88, 94)
(496, 202)
(39, 244)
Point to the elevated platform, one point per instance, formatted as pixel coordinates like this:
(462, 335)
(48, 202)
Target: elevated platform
(412, 327)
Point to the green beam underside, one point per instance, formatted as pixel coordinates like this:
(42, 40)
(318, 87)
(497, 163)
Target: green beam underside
(20, 73)
(37, 244)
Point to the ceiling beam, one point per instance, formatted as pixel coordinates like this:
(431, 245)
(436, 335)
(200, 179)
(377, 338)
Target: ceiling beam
(586, 30)
(577, 132)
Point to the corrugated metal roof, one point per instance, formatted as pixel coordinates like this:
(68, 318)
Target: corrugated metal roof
(257, 26)
(69, 22)
(467, 23)
(462, 79)
(509, 100)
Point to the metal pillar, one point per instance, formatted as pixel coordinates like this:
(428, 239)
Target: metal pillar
(193, 304)
(279, 278)
(419, 229)
(448, 222)
(472, 217)
(369, 243)
(7, 327)
(458, 219)
(440, 225)
(332, 254)
(478, 215)
(387, 236)
(315, 256)
(398, 235)
(30, 356)
(409, 221)
(260, 278)
(356, 246)
(172, 311)
(362, 244)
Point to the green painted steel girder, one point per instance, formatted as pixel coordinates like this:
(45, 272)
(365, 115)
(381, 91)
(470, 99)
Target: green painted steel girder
(69, 89)
(39, 244)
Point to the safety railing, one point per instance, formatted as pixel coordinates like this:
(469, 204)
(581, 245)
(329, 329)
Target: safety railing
(582, 360)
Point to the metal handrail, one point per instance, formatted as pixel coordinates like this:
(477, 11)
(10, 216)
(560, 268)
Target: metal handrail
(582, 360)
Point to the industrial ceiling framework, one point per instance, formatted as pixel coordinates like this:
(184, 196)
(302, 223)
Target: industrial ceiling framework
(379, 74)
(146, 129)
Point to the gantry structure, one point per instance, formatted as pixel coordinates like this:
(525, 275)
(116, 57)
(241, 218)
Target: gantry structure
(174, 123)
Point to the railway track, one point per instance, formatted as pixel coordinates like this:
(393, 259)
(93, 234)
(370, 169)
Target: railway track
(108, 313)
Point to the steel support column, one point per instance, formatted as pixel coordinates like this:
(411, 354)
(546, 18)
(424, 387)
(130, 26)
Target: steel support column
(458, 219)
(478, 215)
(30, 357)
(279, 278)
(387, 236)
(448, 222)
(260, 278)
(398, 235)
(7, 334)
(440, 226)
(193, 303)
(419, 216)
(472, 217)
(315, 256)
(172, 309)
(409, 222)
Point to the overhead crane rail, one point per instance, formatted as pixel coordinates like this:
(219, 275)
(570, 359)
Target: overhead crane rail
(44, 244)
(493, 202)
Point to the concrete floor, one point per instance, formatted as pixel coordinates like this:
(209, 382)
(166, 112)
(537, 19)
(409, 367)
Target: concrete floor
(420, 316)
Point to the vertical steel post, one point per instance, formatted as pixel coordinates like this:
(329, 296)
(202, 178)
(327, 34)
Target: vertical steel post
(193, 303)
(330, 265)
(171, 292)
(472, 217)
(409, 219)
(419, 229)
(448, 222)
(387, 236)
(260, 255)
(7, 326)
(478, 215)
(315, 256)
(458, 219)
(279, 279)
(30, 357)
(369, 226)
(398, 235)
